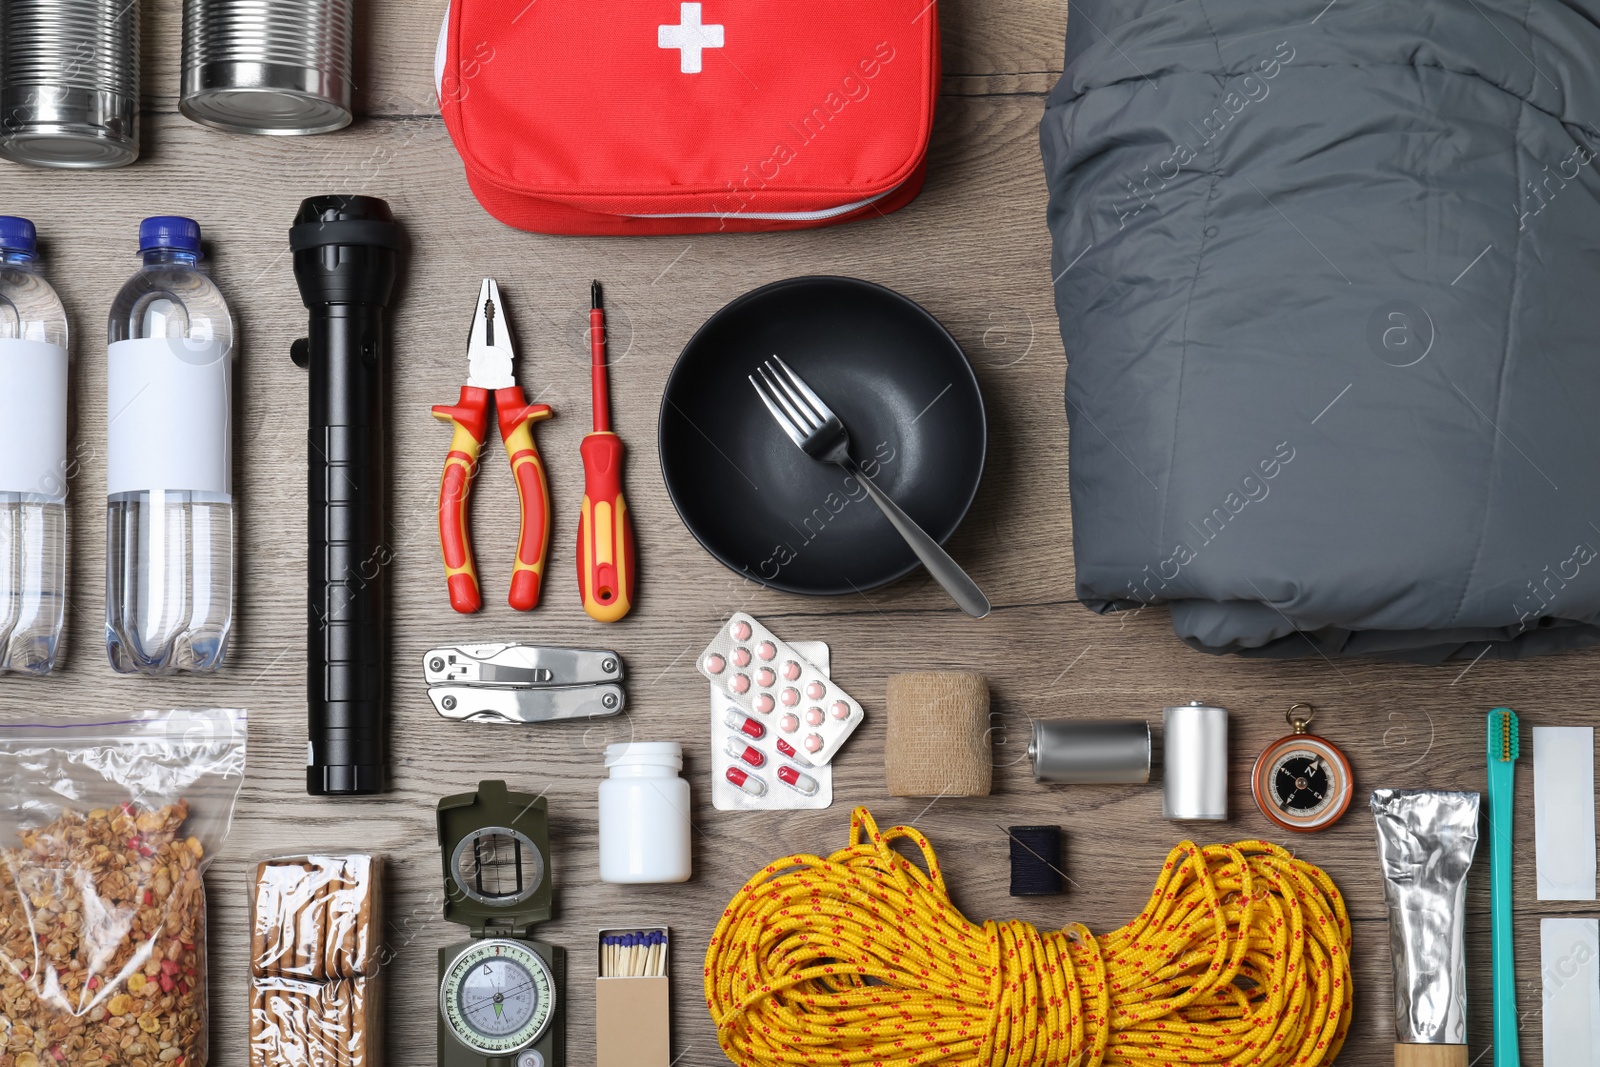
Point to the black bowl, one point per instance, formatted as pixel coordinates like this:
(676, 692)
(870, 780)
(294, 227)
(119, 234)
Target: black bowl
(897, 379)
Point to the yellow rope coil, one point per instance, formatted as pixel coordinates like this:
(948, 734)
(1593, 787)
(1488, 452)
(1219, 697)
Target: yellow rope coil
(1241, 957)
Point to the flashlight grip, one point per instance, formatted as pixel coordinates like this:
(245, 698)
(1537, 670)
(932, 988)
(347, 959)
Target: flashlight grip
(348, 553)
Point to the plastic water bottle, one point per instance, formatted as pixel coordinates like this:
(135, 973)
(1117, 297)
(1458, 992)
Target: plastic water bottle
(169, 486)
(33, 456)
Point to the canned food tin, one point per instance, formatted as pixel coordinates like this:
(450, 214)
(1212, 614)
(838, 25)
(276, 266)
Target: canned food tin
(1090, 750)
(268, 66)
(69, 82)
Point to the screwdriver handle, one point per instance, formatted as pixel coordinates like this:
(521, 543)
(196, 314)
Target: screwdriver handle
(517, 417)
(606, 576)
(470, 417)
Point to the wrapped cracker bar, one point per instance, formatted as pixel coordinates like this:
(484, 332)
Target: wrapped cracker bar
(314, 961)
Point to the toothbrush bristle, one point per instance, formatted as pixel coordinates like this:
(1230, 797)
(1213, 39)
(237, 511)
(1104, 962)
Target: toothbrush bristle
(1509, 747)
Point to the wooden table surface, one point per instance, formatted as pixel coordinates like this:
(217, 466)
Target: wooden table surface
(973, 249)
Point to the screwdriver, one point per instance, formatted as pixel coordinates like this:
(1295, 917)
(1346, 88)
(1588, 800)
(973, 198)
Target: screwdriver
(606, 576)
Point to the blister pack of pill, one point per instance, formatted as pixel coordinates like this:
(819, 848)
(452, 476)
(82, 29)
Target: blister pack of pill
(755, 769)
(780, 689)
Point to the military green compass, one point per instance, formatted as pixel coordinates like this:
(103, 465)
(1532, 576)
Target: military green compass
(499, 991)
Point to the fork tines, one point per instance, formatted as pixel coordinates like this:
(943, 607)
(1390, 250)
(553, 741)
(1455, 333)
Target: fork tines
(799, 410)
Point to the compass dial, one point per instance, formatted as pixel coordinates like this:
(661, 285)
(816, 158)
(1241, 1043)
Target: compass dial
(1302, 782)
(497, 996)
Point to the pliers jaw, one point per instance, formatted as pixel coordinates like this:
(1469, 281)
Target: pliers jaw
(489, 349)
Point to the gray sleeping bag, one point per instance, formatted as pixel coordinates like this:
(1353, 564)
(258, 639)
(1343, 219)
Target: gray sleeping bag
(1328, 277)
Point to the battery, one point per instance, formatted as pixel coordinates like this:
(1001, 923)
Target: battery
(1088, 751)
(1194, 758)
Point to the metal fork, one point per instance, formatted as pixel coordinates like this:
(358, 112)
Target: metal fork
(813, 426)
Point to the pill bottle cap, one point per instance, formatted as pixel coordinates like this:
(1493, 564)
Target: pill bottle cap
(665, 754)
(169, 231)
(17, 235)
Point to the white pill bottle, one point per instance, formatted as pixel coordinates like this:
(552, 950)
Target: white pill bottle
(644, 814)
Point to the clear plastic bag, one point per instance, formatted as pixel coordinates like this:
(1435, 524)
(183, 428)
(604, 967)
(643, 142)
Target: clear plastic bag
(314, 960)
(297, 1022)
(105, 831)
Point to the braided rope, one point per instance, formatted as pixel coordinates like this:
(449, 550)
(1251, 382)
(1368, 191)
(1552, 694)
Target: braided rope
(1241, 957)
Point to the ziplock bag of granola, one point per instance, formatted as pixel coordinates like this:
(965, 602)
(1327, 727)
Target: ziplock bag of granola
(105, 831)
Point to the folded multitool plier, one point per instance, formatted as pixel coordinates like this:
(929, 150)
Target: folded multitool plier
(523, 683)
(489, 353)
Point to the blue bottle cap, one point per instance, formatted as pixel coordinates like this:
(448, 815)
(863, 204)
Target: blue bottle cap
(169, 231)
(17, 235)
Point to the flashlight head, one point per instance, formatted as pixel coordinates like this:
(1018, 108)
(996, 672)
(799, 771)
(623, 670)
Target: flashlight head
(346, 250)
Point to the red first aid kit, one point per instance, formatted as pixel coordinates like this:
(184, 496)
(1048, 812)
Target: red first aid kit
(658, 116)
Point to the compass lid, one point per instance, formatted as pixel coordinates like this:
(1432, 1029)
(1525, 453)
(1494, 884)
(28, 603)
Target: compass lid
(495, 849)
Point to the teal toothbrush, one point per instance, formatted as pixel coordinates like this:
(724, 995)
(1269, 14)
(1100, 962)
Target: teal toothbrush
(1503, 750)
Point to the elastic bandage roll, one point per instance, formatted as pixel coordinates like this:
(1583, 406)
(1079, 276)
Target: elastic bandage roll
(938, 741)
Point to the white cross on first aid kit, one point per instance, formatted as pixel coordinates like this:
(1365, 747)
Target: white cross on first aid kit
(689, 37)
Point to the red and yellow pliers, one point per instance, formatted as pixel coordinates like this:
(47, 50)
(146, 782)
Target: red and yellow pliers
(489, 353)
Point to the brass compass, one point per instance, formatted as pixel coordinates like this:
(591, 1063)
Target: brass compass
(1301, 781)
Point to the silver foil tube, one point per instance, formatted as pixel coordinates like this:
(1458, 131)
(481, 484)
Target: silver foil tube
(1090, 750)
(1426, 839)
(69, 82)
(268, 66)
(1194, 762)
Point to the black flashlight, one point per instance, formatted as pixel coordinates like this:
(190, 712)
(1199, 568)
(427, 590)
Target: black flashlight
(346, 251)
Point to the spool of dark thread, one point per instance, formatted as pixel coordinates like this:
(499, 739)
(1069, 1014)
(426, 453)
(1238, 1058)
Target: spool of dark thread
(1035, 860)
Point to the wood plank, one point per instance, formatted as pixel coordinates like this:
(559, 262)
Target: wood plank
(973, 249)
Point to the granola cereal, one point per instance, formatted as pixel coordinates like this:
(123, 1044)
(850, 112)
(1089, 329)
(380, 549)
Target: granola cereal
(102, 942)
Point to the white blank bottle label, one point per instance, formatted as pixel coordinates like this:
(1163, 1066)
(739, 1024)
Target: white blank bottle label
(1563, 812)
(33, 418)
(168, 416)
(1569, 958)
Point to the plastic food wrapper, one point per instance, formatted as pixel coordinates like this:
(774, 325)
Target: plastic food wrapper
(105, 831)
(314, 960)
